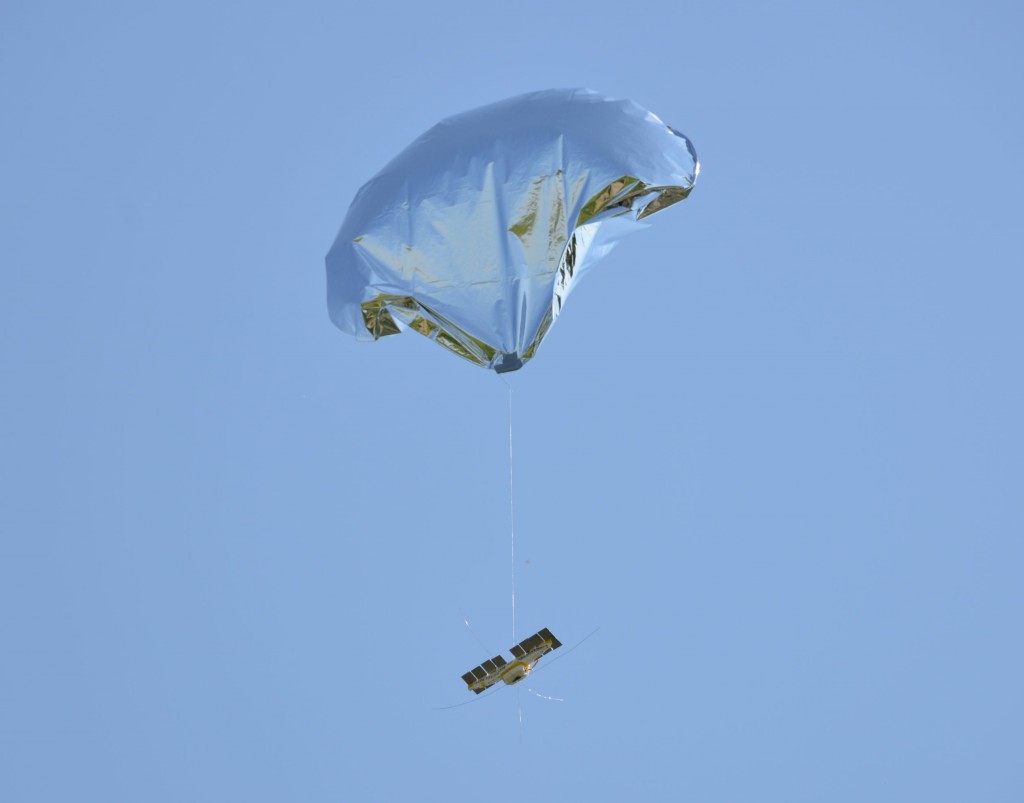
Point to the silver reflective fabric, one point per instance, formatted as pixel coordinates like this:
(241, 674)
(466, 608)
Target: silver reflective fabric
(477, 232)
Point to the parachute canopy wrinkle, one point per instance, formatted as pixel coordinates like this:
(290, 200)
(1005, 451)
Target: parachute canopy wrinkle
(475, 234)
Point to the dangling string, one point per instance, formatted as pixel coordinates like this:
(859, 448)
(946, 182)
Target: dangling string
(472, 632)
(545, 697)
(566, 652)
(511, 510)
(519, 708)
(476, 699)
(512, 531)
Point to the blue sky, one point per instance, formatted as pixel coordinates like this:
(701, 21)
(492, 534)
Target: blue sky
(772, 448)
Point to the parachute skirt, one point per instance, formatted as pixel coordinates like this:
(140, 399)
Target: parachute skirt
(475, 235)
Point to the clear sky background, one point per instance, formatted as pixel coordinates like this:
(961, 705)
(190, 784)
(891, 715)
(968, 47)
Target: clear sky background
(772, 448)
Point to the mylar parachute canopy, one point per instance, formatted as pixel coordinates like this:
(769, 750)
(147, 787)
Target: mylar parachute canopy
(476, 233)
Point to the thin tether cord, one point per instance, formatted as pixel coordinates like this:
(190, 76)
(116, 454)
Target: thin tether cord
(511, 510)
(512, 531)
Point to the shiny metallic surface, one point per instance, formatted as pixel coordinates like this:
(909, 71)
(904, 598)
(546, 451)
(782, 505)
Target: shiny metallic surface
(475, 234)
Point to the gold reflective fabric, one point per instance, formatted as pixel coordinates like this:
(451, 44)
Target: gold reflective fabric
(378, 320)
(666, 197)
(611, 195)
(545, 201)
(542, 330)
(621, 194)
(380, 313)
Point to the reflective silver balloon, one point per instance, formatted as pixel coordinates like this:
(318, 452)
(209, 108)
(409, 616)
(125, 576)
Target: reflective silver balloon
(477, 232)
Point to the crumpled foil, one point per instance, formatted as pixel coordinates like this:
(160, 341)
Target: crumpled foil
(475, 234)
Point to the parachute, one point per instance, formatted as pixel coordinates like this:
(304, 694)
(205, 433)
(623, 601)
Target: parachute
(476, 234)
